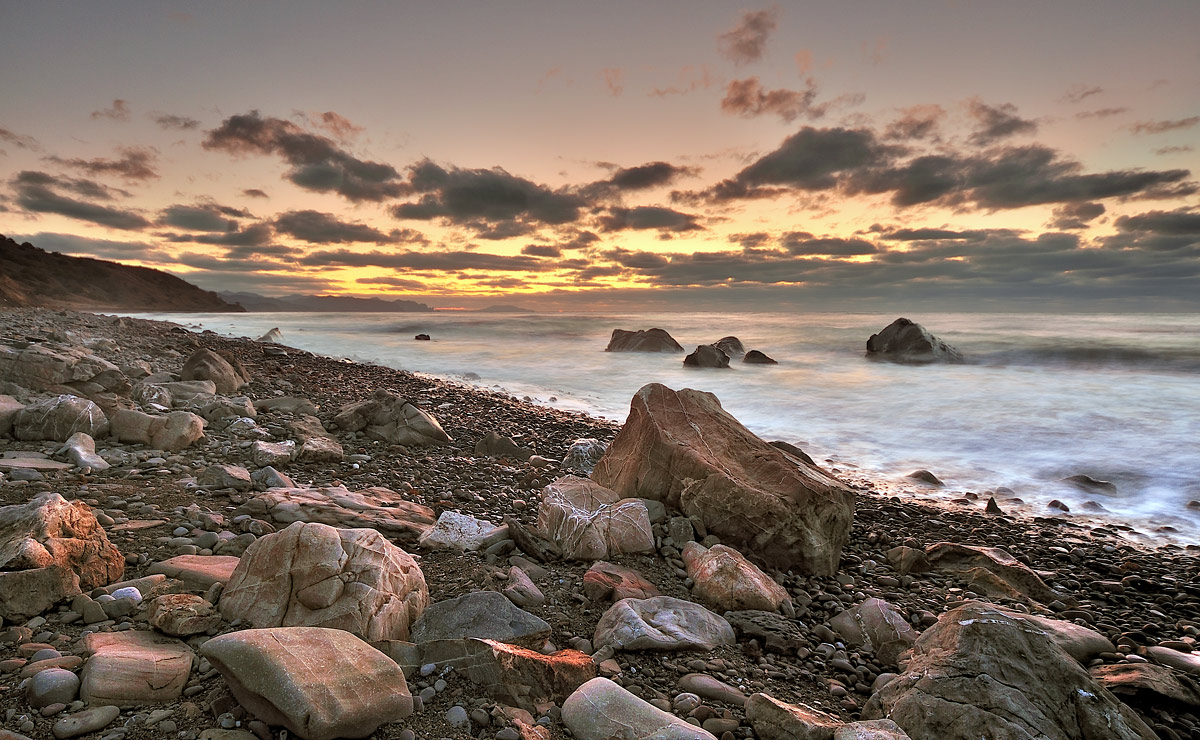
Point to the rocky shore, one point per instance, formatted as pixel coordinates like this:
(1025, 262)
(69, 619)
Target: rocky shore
(204, 537)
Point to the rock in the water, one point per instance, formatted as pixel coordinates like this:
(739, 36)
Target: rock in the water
(926, 477)
(58, 418)
(273, 336)
(706, 355)
(979, 673)
(388, 417)
(661, 623)
(730, 582)
(483, 614)
(907, 341)
(590, 522)
(319, 683)
(205, 364)
(135, 667)
(493, 445)
(642, 340)
(53, 544)
(80, 449)
(313, 575)
(1088, 483)
(172, 432)
(682, 448)
(458, 531)
(878, 627)
(608, 582)
(602, 710)
(183, 615)
(990, 571)
(377, 508)
(755, 357)
(731, 346)
(582, 456)
(776, 720)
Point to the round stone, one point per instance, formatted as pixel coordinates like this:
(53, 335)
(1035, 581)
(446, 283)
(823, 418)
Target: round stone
(52, 686)
(128, 592)
(457, 717)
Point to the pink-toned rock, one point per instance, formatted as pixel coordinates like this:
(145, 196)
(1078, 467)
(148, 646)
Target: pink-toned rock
(608, 582)
(773, 719)
(388, 417)
(319, 683)
(991, 570)
(171, 432)
(590, 522)
(132, 668)
(58, 418)
(183, 615)
(9, 407)
(730, 582)
(314, 575)
(376, 508)
(205, 364)
(877, 626)
(683, 449)
(199, 572)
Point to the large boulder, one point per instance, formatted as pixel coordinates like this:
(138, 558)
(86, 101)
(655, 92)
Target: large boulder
(909, 342)
(171, 432)
(642, 340)
(602, 710)
(683, 449)
(980, 673)
(731, 346)
(319, 683)
(725, 579)
(707, 355)
(60, 538)
(205, 364)
(661, 623)
(876, 626)
(313, 575)
(132, 668)
(9, 407)
(486, 615)
(375, 508)
(990, 571)
(58, 418)
(388, 417)
(39, 367)
(589, 522)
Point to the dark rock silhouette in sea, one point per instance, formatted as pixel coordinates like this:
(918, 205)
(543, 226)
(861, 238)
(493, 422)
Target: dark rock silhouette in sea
(909, 342)
(754, 357)
(707, 355)
(422, 337)
(731, 346)
(642, 340)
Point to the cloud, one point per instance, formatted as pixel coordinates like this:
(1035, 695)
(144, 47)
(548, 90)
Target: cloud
(315, 227)
(1101, 113)
(578, 240)
(804, 243)
(1161, 127)
(35, 193)
(649, 217)
(255, 193)
(995, 122)
(1174, 149)
(747, 41)
(89, 247)
(18, 140)
(483, 199)
(135, 163)
(254, 235)
(336, 124)
(927, 234)
(170, 121)
(317, 163)
(748, 98)
(541, 250)
(1077, 93)
(1179, 222)
(411, 260)
(641, 177)
(916, 122)
(80, 186)
(212, 277)
(119, 111)
(689, 80)
(614, 80)
(393, 282)
(1076, 215)
(751, 240)
(198, 218)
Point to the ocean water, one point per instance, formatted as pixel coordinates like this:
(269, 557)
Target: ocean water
(1040, 397)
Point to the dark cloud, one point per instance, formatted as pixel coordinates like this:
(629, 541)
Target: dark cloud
(1184, 221)
(996, 122)
(541, 250)
(578, 240)
(804, 243)
(748, 98)
(135, 163)
(916, 122)
(1077, 93)
(18, 140)
(649, 217)
(198, 218)
(335, 123)
(1076, 215)
(255, 193)
(1174, 150)
(746, 41)
(484, 198)
(118, 111)
(637, 260)
(912, 235)
(99, 248)
(272, 251)
(650, 175)
(81, 186)
(459, 260)
(212, 276)
(500, 230)
(316, 227)
(749, 241)
(35, 192)
(393, 282)
(172, 122)
(1101, 113)
(254, 235)
(1161, 127)
(317, 162)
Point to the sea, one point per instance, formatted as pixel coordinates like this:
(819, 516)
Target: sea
(1038, 399)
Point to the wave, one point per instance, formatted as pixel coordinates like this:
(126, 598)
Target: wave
(1106, 356)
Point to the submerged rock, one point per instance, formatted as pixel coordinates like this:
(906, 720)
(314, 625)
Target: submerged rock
(642, 340)
(731, 346)
(706, 355)
(909, 342)
(755, 357)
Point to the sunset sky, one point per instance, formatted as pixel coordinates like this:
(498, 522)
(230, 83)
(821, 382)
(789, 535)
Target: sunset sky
(620, 154)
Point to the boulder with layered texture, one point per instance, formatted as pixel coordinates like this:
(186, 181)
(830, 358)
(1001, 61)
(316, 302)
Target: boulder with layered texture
(909, 342)
(683, 449)
(313, 575)
(990, 571)
(205, 364)
(58, 418)
(62, 540)
(40, 367)
(171, 432)
(642, 340)
(376, 507)
(661, 623)
(319, 683)
(590, 522)
(388, 417)
(980, 673)
(725, 579)
(135, 667)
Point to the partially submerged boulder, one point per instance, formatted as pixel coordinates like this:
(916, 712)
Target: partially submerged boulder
(58, 418)
(706, 355)
(589, 522)
(731, 346)
(683, 449)
(205, 364)
(755, 357)
(313, 575)
(909, 342)
(388, 417)
(642, 340)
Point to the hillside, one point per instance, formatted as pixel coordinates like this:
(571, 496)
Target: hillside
(34, 277)
(254, 302)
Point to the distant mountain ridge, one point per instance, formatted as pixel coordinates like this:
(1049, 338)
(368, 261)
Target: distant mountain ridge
(258, 303)
(30, 276)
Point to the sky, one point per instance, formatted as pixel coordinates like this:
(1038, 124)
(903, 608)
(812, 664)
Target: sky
(677, 154)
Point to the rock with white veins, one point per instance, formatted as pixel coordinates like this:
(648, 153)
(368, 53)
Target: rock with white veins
(602, 710)
(661, 623)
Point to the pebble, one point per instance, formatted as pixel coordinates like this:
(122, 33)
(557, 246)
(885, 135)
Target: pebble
(457, 717)
(82, 723)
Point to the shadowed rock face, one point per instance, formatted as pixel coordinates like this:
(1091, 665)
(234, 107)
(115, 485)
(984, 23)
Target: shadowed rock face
(707, 355)
(642, 340)
(683, 449)
(907, 341)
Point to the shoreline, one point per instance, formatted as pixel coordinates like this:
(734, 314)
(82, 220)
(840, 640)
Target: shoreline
(1081, 562)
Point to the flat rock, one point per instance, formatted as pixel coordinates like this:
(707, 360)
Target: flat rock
(773, 719)
(590, 522)
(482, 614)
(602, 710)
(1148, 683)
(85, 722)
(608, 582)
(32, 463)
(1186, 662)
(319, 683)
(728, 581)
(375, 508)
(661, 623)
(199, 572)
(458, 531)
(133, 668)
